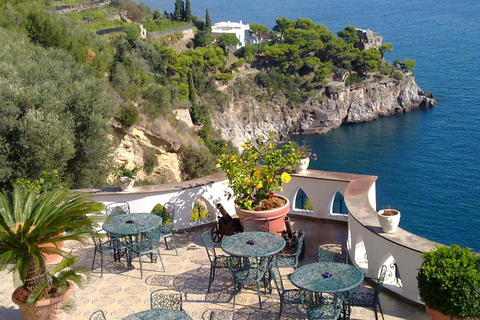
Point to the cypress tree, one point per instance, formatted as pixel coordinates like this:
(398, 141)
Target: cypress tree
(188, 11)
(178, 13)
(208, 22)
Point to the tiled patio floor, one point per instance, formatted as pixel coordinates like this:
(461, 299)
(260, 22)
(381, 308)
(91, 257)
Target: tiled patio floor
(120, 293)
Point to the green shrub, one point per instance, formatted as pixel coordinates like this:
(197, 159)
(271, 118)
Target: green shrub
(161, 211)
(199, 213)
(150, 160)
(353, 78)
(397, 75)
(128, 116)
(449, 281)
(196, 163)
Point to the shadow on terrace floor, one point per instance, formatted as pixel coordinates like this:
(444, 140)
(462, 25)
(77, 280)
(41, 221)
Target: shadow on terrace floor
(120, 292)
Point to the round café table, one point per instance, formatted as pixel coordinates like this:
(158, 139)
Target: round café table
(159, 314)
(129, 225)
(253, 244)
(313, 277)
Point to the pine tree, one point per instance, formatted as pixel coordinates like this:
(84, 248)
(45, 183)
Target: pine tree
(188, 11)
(208, 22)
(178, 13)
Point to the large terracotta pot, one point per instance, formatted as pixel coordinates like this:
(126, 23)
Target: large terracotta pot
(276, 217)
(51, 258)
(437, 315)
(48, 309)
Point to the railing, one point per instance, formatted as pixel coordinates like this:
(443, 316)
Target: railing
(368, 247)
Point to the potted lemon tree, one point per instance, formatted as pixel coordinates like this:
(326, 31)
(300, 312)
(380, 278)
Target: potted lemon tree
(449, 283)
(255, 174)
(28, 221)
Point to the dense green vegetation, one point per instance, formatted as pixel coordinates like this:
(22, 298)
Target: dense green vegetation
(61, 83)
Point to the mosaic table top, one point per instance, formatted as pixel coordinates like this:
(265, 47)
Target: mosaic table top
(253, 244)
(327, 277)
(132, 223)
(159, 314)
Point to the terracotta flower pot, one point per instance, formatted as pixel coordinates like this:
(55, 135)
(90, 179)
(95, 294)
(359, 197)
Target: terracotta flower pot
(52, 258)
(48, 309)
(276, 217)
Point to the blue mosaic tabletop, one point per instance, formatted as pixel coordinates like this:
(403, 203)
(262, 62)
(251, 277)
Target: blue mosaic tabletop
(132, 223)
(327, 277)
(253, 244)
(159, 314)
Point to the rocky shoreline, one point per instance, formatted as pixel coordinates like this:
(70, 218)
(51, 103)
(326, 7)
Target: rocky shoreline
(327, 110)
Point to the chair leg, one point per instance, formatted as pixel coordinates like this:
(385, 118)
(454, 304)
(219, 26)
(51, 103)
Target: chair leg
(101, 264)
(141, 266)
(174, 245)
(210, 280)
(234, 292)
(94, 254)
(381, 311)
(161, 261)
(375, 310)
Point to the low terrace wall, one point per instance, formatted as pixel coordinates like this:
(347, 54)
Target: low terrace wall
(369, 248)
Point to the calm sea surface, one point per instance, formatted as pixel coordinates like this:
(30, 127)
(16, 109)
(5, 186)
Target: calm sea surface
(427, 161)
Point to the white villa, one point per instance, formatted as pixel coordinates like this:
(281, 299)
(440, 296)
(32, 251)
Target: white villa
(240, 30)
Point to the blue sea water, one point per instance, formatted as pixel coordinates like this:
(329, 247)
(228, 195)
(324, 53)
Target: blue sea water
(427, 161)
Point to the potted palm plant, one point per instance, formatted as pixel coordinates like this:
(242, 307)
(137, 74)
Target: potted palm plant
(254, 176)
(28, 221)
(449, 283)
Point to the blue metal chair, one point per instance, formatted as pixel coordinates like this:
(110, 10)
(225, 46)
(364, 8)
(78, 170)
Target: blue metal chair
(332, 253)
(114, 246)
(248, 270)
(166, 299)
(367, 299)
(147, 243)
(117, 208)
(290, 296)
(98, 315)
(216, 261)
(256, 224)
(166, 230)
(285, 260)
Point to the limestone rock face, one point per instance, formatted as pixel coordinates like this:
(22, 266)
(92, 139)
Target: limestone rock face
(327, 110)
(131, 149)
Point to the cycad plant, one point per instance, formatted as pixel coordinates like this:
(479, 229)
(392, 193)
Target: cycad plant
(28, 220)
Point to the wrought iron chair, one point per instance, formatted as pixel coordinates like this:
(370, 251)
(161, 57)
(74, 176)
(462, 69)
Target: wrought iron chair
(287, 296)
(117, 208)
(147, 243)
(114, 245)
(248, 270)
(256, 224)
(367, 299)
(332, 253)
(166, 299)
(324, 309)
(216, 261)
(166, 230)
(285, 260)
(98, 315)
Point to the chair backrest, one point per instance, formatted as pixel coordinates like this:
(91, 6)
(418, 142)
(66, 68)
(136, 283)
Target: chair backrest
(209, 245)
(116, 208)
(301, 237)
(166, 299)
(98, 315)
(256, 224)
(168, 216)
(332, 253)
(381, 278)
(149, 239)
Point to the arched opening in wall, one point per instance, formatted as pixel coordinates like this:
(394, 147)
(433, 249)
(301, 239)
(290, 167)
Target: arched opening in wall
(200, 211)
(361, 258)
(393, 276)
(302, 202)
(338, 206)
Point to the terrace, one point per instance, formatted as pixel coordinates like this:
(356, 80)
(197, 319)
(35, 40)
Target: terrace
(120, 292)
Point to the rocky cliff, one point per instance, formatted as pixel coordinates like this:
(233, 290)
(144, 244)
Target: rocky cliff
(328, 109)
